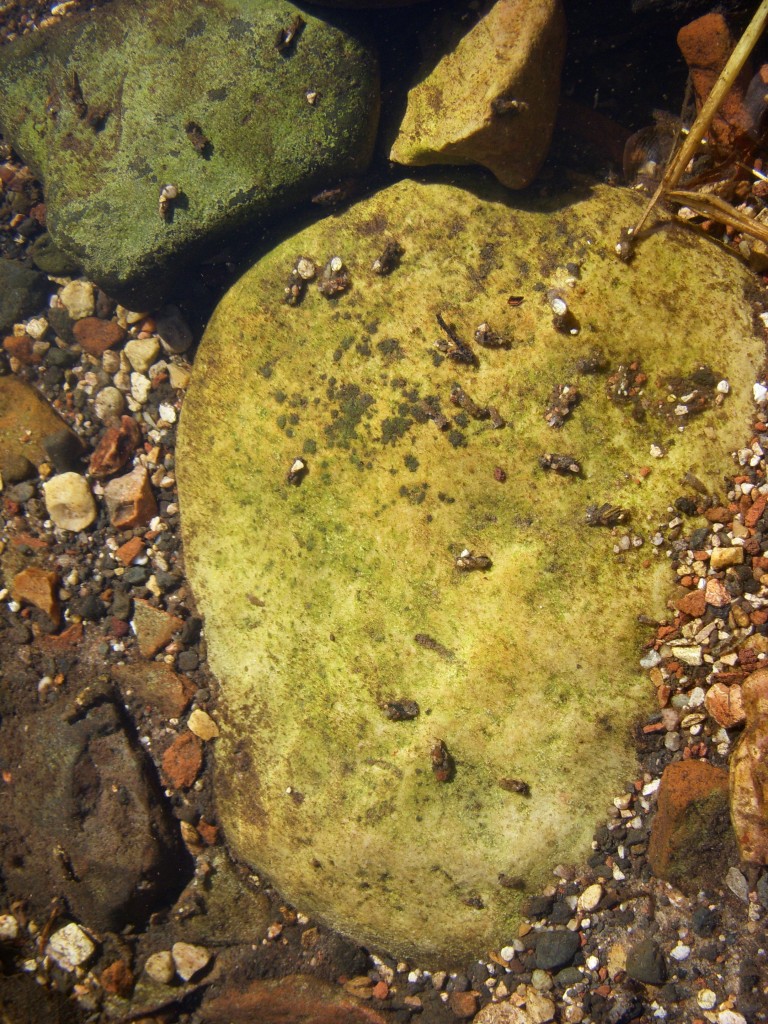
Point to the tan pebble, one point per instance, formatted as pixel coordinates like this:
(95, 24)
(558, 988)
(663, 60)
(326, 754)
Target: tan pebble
(69, 502)
(189, 960)
(39, 588)
(77, 298)
(591, 896)
(721, 558)
(160, 967)
(130, 500)
(202, 725)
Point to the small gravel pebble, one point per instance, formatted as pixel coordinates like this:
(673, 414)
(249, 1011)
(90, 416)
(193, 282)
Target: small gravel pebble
(160, 967)
(70, 947)
(189, 960)
(69, 501)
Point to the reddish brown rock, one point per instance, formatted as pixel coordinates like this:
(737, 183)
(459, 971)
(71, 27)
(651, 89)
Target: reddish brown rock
(755, 510)
(95, 336)
(749, 773)
(21, 347)
(130, 550)
(693, 604)
(38, 587)
(725, 704)
(286, 1000)
(691, 837)
(719, 514)
(66, 641)
(26, 418)
(117, 979)
(183, 760)
(156, 686)
(463, 1004)
(116, 446)
(153, 627)
(706, 44)
(130, 500)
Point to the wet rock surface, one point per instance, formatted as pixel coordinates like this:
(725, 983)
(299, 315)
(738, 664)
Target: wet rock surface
(228, 125)
(405, 547)
(102, 839)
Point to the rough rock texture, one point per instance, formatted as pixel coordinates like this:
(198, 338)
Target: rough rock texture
(691, 837)
(104, 838)
(491, 98)
(227, 122)
(293, 998)
(331, 596)
(22, 292)
(749, 773)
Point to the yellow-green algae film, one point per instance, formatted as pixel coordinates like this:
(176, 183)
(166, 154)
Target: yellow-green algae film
(327, 599)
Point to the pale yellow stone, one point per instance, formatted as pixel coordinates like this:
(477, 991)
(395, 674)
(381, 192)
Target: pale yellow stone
(202, 725)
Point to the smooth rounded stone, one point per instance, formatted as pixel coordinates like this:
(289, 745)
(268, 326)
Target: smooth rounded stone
(556, 949)
(109, 404)
(96, 336)
(189, 960)
(160, 967)
(646, 963)
(142, 352)
(202, 725)
(591, 897)
(173, 330)
(77, 297)
(489, 95)
(22, 293)
(69, 501)
(70, 947)
(9, 927)
(16, 468)
(331, 590)
(227, 124)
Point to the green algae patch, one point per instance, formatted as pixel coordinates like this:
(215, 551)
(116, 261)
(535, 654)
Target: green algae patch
(112, 106)
(423, 556)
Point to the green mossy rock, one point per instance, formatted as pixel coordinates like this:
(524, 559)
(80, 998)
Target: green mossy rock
(324, 601)
(198, 95)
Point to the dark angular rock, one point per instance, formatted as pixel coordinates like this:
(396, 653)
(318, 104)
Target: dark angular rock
(50, 259)
(65, 451)
(646, 963)
(101, 833)
(22, 293)
(555, 950)
(704, 921)
(241, 127)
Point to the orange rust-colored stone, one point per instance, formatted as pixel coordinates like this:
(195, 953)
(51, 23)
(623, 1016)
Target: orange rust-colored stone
(208, 833)
(725, 704)
(693, 604)
(463, 1004)
(719, 514)
(756, 509)
(749, 773)
(21, 347)
(183, 760)
(690, 821)
(282, 1000)
(38, 587)
(66, 641)
(130, 550)
(117, 979)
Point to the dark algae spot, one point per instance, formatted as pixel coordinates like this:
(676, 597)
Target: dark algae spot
(457, 439)
(395, 427)
(411, 463)
(415, 495)
(390, 348)
(352, 405)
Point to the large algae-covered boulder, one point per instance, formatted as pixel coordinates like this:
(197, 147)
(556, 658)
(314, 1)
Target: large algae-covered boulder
(428, 658)
(243, 106)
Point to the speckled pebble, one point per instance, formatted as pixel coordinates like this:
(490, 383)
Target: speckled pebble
(70, 947)
(737, 883)
(9, 927)
(78, 299)
(160, 967)
(591, 896)
(140, 387)
(706, 999)
(108, 404)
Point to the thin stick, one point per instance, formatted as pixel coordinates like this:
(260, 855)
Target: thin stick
(728, 76)
(715, 208)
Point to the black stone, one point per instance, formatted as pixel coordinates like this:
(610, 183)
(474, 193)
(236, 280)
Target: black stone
(22, 293)
(187, 661)
(537, 906)
(704, 921)
(646, 963)
(556, 949)
(65, 451)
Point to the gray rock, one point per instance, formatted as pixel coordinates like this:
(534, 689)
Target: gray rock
(646, 963)
(556, 949)
(22, 293)
(50, 259)
(101, 834)
(227, 121)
